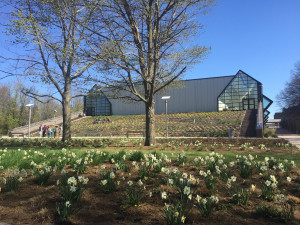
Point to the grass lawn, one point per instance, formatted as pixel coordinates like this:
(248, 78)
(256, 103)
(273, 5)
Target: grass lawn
(15, 158)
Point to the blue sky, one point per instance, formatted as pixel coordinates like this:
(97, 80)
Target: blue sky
(260, 37)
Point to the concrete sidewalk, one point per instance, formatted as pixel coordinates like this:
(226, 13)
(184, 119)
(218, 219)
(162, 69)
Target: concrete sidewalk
(289, 136)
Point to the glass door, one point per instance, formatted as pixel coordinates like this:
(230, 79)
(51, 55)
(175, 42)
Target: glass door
(248, 103)
(90, 111)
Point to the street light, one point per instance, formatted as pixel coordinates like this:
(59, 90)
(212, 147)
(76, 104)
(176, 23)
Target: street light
(166, 100)
(29, 105)
(55, 111)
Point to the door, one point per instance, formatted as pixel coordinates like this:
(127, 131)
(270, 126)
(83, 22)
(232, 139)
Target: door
(90, 111)
(248, 103)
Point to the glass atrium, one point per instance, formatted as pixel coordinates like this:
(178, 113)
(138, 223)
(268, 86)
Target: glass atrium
(97, 104)
(240, 94)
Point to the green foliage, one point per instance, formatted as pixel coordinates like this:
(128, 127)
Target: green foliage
(240, 196)
(13, 180)
(144, 171)
(287, 211)
(117, 157)
(99, 157)
(210, 182)
(134, 195)
(264, 211)
(268, 192)
(181, 158)
(268, 132)
(71, 188)
(206, 205)
(197, 162)
(108, 182)
(225, 174)
(42, 173)
(64, 210)
(136, 156)
(246, 167)
(174, 215)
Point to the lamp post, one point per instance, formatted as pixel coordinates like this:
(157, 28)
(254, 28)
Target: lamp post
(166, 101)
(29, 105)
(55, 111)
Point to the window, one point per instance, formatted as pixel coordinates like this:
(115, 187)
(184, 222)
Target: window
(240, 94)
(97, 104)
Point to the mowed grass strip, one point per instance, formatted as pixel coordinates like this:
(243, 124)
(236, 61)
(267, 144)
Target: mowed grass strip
(19, 158)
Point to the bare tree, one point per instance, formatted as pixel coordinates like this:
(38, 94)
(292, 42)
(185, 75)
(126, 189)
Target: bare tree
(53, 32)
(290, 95)
(148, 45)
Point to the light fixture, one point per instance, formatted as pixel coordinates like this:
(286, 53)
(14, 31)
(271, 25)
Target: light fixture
(29, 105)
(166, 98)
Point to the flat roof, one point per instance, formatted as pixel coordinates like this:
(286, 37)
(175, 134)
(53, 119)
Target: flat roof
(274, 121)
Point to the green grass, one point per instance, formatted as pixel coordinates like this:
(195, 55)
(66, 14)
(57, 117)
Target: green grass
(210, 123)
(14, 158)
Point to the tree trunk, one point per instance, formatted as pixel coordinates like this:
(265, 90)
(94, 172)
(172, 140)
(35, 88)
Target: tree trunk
(66, 103)
(150, 126)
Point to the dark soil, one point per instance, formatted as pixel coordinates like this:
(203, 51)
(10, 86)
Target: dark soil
(35, 205)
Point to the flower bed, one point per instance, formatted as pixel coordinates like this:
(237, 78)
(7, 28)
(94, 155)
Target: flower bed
(130, 187)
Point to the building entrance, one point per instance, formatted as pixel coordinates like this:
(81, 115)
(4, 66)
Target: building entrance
(248, 103)
(90, 111)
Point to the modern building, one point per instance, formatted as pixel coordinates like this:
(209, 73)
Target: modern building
(237, 92)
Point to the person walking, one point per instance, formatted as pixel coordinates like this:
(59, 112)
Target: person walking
(44, 130)
(60, 131)
(41, 130)
(49, 132)
(54, 131)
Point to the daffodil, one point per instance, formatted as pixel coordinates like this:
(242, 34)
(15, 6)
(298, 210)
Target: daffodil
(112, 175)
(68, 204)
(198, 198)
(73, 188)
(186, 190)
(167, 206)
(228, 185)
(104, 182)
(164, 195)
(140, 183)
(183, 219)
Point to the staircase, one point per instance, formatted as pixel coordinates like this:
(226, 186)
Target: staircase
(248, 128)
(34, 127)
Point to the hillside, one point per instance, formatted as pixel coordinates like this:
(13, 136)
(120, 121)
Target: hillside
(180, 124)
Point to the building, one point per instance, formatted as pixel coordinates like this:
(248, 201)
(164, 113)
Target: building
(237, 92)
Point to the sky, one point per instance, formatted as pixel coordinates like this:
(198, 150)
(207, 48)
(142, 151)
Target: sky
(260, 37)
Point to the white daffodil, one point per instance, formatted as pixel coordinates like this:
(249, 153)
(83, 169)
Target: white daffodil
(164, 195)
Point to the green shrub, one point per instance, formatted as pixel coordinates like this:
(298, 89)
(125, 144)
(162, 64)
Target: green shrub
(136, 156)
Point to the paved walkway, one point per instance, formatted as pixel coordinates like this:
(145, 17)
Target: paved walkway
(288, 135)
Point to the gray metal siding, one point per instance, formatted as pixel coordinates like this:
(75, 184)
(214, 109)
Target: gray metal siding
(194, 96)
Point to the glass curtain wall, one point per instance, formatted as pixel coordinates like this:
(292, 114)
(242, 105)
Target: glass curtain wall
(97, 105)
(240, 94)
